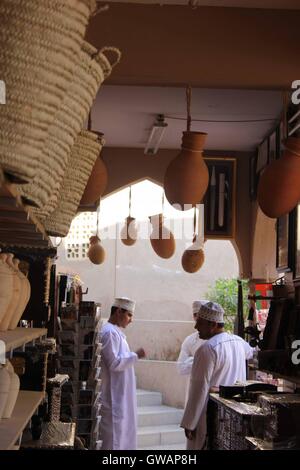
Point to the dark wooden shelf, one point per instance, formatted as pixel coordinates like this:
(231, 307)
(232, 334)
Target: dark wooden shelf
(18, 225)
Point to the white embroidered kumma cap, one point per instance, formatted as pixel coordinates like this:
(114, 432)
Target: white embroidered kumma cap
(197, 304)
(125, 304)
(211, 311)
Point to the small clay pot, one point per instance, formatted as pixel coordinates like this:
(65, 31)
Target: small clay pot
(129, 232)
(193, 258)
(162, 239)
(96, 253)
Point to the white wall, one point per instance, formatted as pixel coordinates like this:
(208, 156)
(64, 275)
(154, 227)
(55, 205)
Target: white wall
(161, 288)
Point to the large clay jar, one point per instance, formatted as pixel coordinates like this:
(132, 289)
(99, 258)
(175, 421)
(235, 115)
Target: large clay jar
(6, 285)
(14, 388)
(16, 292)
(193, 258)
(96, 253)
(4, 388)
(128, 233)
(187, 176)
(162, 240)
(24, 296)
(279, 185)
(96, 183)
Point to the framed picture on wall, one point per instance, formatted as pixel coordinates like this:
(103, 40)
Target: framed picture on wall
(220, 198)
(285, 229)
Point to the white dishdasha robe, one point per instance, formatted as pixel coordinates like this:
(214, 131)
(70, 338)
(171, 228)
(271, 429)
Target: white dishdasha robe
(221, 360)
(119, 406)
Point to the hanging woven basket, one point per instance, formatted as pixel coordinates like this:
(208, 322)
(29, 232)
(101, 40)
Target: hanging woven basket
(39, 41)
(84, 153)
(91, 70)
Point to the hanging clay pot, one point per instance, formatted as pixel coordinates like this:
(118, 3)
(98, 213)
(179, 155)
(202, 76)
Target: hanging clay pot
(6, 285)
(162, 240)
(4, 388)
(96, 253)
(279, 185)
(97, 182)
(13, 392)
(187, 176)
(128, 233)
(193, 258)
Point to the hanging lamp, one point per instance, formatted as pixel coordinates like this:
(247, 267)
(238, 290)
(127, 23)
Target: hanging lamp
(161, 239)
(187, 176)
(129, 231)
(193, 258)
(97, 181)
(96, 252)
(279, 185)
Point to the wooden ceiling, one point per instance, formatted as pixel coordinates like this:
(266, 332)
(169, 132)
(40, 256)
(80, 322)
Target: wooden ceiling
(206, 47)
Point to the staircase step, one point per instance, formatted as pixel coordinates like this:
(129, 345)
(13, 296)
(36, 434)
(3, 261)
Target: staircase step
(158, 415)
(145, 398)
(160, 435)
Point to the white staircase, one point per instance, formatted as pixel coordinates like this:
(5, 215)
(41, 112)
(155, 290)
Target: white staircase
(158, 425)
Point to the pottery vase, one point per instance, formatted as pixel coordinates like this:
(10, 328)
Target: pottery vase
(128, 233)
(14, 388)
(279, 185)
(193, 258)
(162, 240)
(187, 176)
(96, 184)
(6, 285)
(4, 388)
(16, 293)
(96, 252)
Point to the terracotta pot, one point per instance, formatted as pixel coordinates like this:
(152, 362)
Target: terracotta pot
(96, 183)
(162, 240)
(187, 176)
(6, 285)
(193, 258)
(279, 185)
(129, 232)
(4, 388)
(13, 392)
(24, 296)
(16, 293)
(96, 253)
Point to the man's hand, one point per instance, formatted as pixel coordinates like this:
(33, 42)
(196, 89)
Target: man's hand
(140, 353)
(189, 434)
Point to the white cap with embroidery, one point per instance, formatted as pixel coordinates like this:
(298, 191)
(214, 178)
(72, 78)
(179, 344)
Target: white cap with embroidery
(197, 304)
(125, 304)
(211, 311)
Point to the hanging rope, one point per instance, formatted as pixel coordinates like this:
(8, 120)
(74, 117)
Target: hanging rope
(285, 99)
(100, 9)
(90, 121)
(98, 215)
(163, 203)
(188, 107)
(195, 223)
(130, 201)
